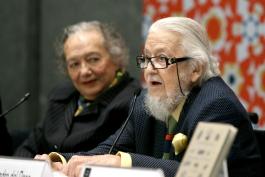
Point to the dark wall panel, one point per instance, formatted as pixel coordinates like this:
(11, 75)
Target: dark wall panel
(27, 34)
(13, 56)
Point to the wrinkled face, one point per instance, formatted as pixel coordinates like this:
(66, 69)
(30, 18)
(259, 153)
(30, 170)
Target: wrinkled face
(163, 83)
(89, 64)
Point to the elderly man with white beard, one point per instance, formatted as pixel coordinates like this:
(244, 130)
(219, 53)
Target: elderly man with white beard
(183, 88)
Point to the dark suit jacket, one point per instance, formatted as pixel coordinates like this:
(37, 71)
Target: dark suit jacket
(6, 141)
(214, 101)
(62, 132)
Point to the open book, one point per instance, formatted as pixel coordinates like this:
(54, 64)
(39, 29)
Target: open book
(209, 147)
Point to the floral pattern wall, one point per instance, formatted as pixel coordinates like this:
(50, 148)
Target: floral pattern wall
(236, 29)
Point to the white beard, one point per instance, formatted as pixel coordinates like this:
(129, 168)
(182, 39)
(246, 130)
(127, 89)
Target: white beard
(162, 107)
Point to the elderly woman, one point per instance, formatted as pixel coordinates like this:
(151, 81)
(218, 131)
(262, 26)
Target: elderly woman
(84, 112)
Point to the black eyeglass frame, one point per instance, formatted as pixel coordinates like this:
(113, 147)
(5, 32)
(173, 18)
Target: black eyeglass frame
(169, 61)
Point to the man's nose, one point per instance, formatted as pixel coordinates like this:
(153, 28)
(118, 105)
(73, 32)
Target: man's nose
(150, 65)
(150, 69)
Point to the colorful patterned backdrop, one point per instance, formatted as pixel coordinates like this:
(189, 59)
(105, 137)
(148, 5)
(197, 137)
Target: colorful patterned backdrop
(236, 29)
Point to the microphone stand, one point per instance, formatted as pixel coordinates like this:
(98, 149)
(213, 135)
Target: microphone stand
(136, 93)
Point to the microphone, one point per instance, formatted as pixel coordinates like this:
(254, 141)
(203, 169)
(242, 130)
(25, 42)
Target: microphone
(26, 96)
(136, 94)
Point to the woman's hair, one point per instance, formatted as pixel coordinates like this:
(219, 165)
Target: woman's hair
(113, 42)
(194, 42)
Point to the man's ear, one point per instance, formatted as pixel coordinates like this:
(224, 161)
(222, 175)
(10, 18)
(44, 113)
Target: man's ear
(196, 73)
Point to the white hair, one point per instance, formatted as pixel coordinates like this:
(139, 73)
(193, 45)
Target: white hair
(113, 42)
(194, 41)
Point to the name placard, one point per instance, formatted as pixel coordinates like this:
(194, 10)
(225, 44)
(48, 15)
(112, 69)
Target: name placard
(101, 171)
(19, 167)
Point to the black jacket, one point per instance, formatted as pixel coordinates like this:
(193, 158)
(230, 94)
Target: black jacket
(62, 132)
(214, 101)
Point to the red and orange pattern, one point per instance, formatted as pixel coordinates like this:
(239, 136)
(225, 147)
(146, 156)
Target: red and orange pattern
(236, 29)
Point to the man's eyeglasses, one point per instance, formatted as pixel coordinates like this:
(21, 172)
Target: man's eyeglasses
(158, 62)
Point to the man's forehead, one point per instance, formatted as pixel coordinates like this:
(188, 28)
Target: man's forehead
(162, 41)
(164, 36)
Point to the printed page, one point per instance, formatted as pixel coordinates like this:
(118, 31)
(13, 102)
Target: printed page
(207, 150)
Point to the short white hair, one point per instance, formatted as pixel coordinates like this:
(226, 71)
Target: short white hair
(194, 41)
(113, 42)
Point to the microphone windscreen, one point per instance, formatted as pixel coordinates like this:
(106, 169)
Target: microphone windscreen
(27, 95)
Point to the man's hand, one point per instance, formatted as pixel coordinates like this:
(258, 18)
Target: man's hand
(74, 165)
(57, 166)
